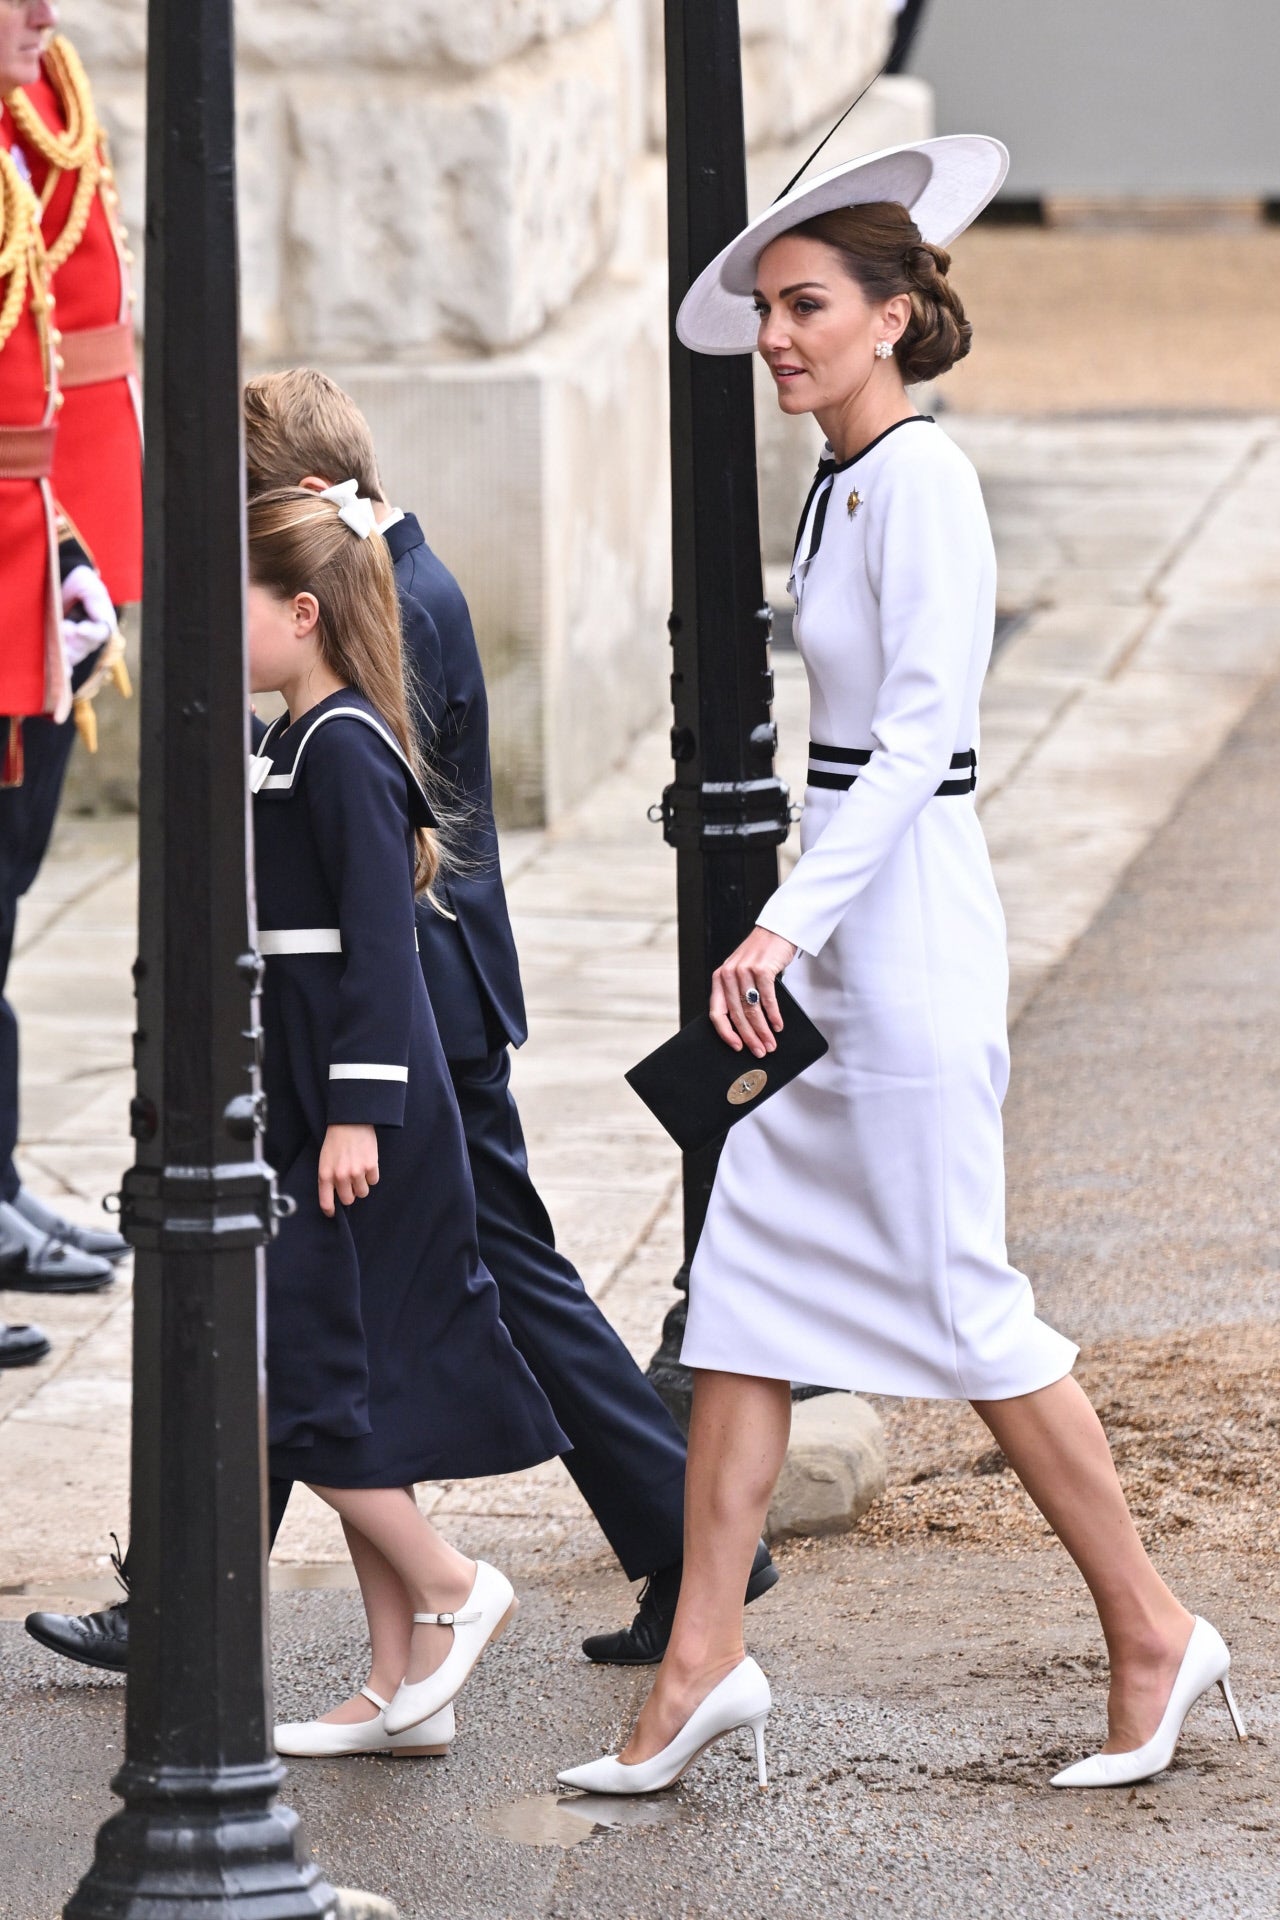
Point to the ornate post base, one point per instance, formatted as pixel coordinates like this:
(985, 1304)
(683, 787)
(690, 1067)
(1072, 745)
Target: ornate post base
(672, 1382)
(214, 1844)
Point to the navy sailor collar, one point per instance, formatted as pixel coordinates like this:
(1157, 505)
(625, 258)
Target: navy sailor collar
(273, 769)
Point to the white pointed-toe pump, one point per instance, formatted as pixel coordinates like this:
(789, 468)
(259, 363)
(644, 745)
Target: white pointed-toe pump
(1204, 1665)
(324, 1739)
(489, 1606)
(742, 1699)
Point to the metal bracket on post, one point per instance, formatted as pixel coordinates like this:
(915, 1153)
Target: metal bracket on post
(199, 1209)
(724, 813)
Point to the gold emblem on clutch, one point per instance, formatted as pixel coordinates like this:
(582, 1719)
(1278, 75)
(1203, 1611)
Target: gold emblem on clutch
(854, 502)
(744, 1089)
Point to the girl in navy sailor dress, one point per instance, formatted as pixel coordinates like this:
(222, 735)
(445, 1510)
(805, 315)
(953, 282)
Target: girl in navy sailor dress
(387, 1360)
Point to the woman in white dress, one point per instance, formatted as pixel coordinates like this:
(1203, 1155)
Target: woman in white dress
(855, 1235)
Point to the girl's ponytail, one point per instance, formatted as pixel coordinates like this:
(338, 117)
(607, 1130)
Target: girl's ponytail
(298, 544)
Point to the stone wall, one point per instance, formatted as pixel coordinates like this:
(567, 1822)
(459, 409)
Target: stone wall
(458, 210)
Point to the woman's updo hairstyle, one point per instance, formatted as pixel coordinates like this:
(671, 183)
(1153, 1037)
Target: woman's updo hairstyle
(880, 247)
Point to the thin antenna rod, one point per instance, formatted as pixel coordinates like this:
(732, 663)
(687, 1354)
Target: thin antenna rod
(830, 136)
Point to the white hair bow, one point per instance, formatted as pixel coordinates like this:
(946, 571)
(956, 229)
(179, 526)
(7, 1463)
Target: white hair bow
(353, 508)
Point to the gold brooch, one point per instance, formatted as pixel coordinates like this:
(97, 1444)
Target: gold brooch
(854, 502)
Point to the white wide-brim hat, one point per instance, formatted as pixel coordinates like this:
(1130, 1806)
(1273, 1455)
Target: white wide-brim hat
(944, 184)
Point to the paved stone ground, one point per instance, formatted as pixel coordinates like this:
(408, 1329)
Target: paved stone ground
(932, 1668)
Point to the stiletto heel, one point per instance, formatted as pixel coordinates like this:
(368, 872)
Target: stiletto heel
(1204, 1665)
(1232, 1708)
(757, 1729)
(742, 1699)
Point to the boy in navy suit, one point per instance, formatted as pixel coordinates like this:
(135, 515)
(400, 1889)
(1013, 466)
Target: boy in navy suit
(628, 1456)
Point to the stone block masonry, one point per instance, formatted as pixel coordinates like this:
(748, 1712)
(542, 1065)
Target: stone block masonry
(459, 211)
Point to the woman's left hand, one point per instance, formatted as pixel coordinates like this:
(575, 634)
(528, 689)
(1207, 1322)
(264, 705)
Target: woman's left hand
(753, 968)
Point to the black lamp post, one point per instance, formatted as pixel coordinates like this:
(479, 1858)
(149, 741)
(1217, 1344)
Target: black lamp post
(725, 812)
(200, 1831)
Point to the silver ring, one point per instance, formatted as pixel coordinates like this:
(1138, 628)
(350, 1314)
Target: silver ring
(752, 996)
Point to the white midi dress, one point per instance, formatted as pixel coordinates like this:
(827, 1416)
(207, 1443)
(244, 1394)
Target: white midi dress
(855, 1235)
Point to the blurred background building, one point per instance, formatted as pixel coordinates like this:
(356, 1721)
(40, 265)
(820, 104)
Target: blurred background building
(458, 210)
(1154, 99)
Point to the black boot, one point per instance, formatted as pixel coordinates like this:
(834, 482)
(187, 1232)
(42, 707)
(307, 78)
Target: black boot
(93, 1639)
(644, 1642)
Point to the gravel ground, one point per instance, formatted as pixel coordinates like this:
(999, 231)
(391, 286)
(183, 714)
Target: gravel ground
(1071, 322)
(1194, 1426)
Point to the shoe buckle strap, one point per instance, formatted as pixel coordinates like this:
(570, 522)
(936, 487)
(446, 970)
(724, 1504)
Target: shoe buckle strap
(375, 1699)
(447, 1619)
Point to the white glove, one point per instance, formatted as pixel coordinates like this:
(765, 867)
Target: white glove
(84, 589)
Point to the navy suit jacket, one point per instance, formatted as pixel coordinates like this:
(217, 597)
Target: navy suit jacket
(470, 963)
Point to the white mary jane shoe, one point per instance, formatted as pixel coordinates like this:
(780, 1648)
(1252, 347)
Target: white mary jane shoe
(489, 1606)
(1204, 1665)
(324, 1739)
(742, 1699)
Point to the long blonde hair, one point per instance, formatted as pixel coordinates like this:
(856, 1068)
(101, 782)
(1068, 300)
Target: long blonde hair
(297, 544)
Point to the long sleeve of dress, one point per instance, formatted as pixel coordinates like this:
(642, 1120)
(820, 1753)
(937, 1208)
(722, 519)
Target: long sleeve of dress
(356, 793)
(926, 547)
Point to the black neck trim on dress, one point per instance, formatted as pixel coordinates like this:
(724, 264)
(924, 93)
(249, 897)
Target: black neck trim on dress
(827, 470)
(838, 466)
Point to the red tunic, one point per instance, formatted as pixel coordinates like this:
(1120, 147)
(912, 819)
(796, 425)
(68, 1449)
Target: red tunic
(32, 679)
(98, 463)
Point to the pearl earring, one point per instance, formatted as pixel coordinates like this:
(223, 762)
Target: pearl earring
(884, 350)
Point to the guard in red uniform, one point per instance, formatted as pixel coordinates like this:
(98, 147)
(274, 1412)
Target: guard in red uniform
(58, 633)
(97, 468)
(33, 675)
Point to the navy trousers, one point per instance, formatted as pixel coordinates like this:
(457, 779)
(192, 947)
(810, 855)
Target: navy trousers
(628, 1455)
(27, 814)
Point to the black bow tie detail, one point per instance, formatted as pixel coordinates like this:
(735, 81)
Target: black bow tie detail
(827, 469)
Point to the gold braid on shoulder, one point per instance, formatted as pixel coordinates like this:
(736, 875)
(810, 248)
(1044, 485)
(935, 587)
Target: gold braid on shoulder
(78, 150)
(21, 252)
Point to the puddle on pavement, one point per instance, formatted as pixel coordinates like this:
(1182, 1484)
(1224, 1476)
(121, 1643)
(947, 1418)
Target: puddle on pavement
(547, 1820)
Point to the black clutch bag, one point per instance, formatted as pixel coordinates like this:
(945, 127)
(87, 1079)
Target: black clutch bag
(698, 1086)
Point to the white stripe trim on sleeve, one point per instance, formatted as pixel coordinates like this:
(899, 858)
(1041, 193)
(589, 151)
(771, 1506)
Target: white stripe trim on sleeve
(299, 940)
(367, 1070)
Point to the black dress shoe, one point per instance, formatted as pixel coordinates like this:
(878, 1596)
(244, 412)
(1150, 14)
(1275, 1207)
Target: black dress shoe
(22, 1346)
(33, 1261)
(94, 1639)
(644, 1642)
(94, 1240)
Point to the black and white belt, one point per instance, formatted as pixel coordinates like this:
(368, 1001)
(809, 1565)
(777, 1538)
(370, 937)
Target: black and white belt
(832, 767)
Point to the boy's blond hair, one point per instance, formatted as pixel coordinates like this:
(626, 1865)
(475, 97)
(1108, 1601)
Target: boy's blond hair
(300, 423)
